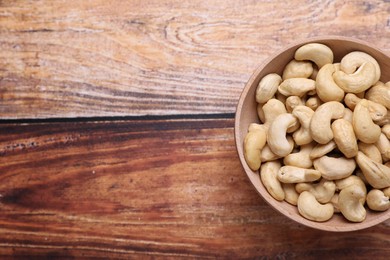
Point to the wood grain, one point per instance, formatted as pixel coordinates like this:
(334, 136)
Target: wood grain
(127, 58)
(148, 188)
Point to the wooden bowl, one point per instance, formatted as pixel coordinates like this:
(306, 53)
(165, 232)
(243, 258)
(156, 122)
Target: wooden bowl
(246, 114)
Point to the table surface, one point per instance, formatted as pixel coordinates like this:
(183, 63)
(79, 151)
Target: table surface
(116, 128)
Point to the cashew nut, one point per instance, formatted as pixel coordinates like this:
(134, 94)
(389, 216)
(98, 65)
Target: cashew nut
(371, 151)
(311, 209)
(267, 154)
(267, 87)
(385, 120)
(349, 181)
(386, 191)
(377, 111)
(297, 69)
(268, 176)
(322, 191)
(318, 53)
(383, 145)
(327, 89)
(377, 200)
(260, 112)
(344, 137)
(365, 129)
(313, 102)
(276, 137)
(320, 122)
(357, 82)
(300, 159)
(380, 93)
(292, 174)
(296, 86)
(304, 114)
(376, 174)
(353, 60)
(334, 168)
(292, 102)
(321, 149)
(350, 203)
(335, 202)
(253, 143)
(290, 194)
(272, 109)
(348, 114)
(386, 130)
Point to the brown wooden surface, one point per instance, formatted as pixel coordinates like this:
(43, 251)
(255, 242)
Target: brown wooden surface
(164, 180)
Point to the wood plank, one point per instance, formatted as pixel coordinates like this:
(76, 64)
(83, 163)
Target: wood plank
(148, 188)
(125, 58)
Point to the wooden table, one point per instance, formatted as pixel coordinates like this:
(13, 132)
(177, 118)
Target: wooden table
(116, 131)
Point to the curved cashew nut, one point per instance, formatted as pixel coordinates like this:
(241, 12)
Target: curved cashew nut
(267, 87)
(371, 151)
(376, 174)
(321, 149)
(304, 114)
(296, 86)
(377, 200)
(350, 203)
(334, 168)
(253, 143)
(268, 176)
(300, 159)
(292, 174)
(349, 181)
(272, 109)
(353, 60)
(383, 145)
(377, 111)
(292, 102)
(276, 137)
(386, 130)
(318, 53)
(320, 122)
(313, 102)
(297, 69)
(357, 82)
(322, 191)
(291, 195)
(365, 129)
(379, 93)
(344, 137)
(327, 89)
(311, 209)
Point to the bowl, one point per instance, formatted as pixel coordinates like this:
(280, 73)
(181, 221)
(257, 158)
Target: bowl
(246, 114)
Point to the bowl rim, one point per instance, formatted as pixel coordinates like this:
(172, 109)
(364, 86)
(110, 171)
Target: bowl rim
(296, 217)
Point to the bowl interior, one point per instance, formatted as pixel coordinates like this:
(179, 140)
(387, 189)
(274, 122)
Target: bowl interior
(246, 114)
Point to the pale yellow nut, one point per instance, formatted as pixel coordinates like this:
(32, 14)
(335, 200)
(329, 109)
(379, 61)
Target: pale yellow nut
(353, 60)
(292, 174)
(300, 159)
(332, 168)
(322, 191)
(327, 89)
(350, 205)
(267, 154)
(349, 181)
(267, 87)
(268, 176)
(260, 113)
(376, 174)
(383, 145)
(358, 81)
(365, 129)
(276, 137)
(344, 137)
(371, 151)
(377, 200)
(292, 102)
(320, 122)
(311, 209)
(303, 135)
(313, 102)
(318, 53)
(335, 202)
(379, 93)
(386, 130)
(322, 149)
(348, 114)
(291, 195)
(272, 109)
(297, 69)
(376, 110)
(253, 143)
(296, 87)
(385, 120)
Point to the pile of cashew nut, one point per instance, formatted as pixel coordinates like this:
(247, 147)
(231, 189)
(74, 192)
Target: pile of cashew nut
(323, 142)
